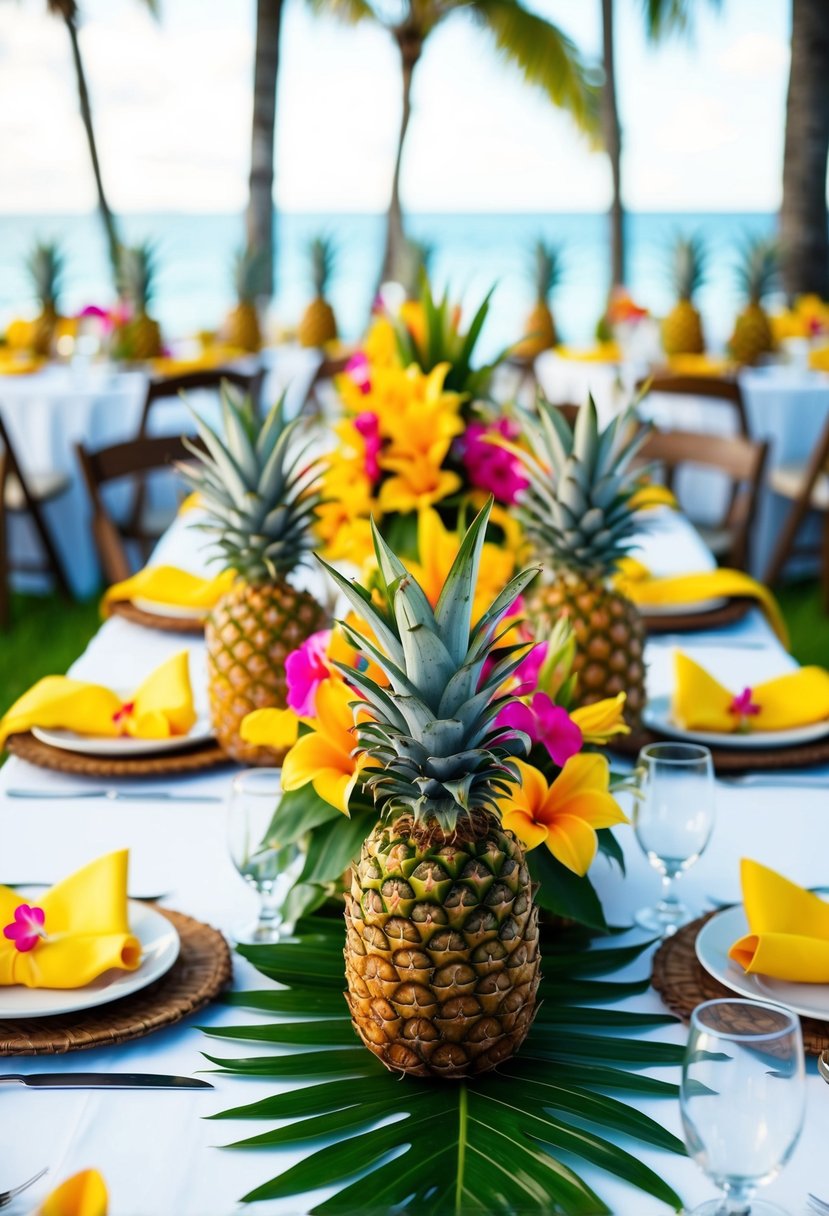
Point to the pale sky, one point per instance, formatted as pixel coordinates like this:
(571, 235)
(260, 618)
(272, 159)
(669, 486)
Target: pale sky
(703, 122)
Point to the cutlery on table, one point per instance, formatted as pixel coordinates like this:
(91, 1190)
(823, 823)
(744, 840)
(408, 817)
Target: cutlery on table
(823, 1065)
(141, 899)
(104, 1080)
(7, 1196)
(115, 795)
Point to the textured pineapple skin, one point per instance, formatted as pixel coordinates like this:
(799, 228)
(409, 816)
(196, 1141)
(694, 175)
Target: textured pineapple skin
(249, 635)
(752, 336)
(43, 331)
(242, 328)
(610, 640)
(540, 329)
(442, 953)
(318, 324)
(142, 337)
(682, 330)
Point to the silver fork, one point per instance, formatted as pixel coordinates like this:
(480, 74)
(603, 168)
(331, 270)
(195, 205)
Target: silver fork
(7, 1196)
(817, 1205)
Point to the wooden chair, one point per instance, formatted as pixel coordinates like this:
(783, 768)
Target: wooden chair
(723, 389)
(166, 388)
(807, 488)
(742, 460)
(137, 458)
(27, 494)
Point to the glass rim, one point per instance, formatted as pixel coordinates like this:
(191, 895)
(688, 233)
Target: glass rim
(695, 752)
(248, 778)
(739, 1036)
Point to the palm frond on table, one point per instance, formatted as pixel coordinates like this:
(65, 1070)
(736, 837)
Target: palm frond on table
(506, 1143)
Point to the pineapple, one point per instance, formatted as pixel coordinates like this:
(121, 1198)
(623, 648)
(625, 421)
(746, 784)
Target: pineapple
(576, 511)
(441, 954)
(45, 265)
(242, 324)
(140, 336)
(757, 274)
(540, 329)
(682, 328)
(260, 497)
(319, 325)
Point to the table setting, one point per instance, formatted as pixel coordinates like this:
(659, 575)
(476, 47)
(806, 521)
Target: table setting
(524, 1021)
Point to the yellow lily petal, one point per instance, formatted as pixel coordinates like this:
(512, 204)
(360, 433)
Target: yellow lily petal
(525, 828)
(572, 842)
(602, 720)
(84, 1194)
(308, 757)
(335, 788)
(270, 728)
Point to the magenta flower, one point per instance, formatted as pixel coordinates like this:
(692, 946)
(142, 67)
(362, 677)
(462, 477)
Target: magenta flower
(744, 708)
(358, 369)
(368, 426)
(26, 930)
(489, 466)
(305, 670)
(546, 723)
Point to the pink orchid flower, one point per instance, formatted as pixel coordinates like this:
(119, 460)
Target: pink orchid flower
(368, 426)
(546, 723)
(489, 466)
(305, 670)
(26, 930)
(358, 369)
(744, 708)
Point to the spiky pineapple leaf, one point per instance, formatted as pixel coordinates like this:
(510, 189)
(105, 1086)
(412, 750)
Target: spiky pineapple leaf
(512, 1141)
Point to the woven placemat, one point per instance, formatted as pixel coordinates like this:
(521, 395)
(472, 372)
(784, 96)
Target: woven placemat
(190, 760)
(698, 622)
(200, 973)
(151, 620)
(683, 983)
(737, 760)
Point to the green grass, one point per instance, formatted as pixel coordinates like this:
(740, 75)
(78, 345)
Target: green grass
(47, 635)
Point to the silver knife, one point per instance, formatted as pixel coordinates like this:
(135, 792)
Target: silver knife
(115, 795)
(105, 1080)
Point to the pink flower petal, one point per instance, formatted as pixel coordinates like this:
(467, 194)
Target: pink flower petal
(305, 669)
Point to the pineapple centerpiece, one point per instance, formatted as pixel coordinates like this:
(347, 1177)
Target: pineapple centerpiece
(540, 328)
(757, 276)
(241, 328)
(259, 493)
(319, 325)
(139, 337)
(442, 959)
(577, 511)
(45, 265)
(682, 327)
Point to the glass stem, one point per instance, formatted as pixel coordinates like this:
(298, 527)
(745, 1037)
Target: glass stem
(737, 1201)
(669, 899)
(268, 907)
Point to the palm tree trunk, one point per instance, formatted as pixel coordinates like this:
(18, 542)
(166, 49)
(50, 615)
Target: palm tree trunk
(410, 44)
(259, 221)
(107, 218)
(612, 136)
(803, 216)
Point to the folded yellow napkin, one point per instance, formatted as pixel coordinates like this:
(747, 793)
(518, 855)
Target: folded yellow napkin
(636, 582)
(207, 359)
(602, 352)
(698, 365)
(169, 585)
(788, 936)
(15, 365)
(819, 359)
(700, 702)
(84, 1194)
(162, 706)
(71, 934)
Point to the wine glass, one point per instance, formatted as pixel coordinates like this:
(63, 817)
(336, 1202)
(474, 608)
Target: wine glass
(263, 862)
(742, 1099)
(673, 817)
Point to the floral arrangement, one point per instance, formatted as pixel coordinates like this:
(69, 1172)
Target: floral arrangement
(808, 318)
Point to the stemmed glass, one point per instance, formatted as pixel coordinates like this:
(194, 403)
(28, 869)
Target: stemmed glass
(263, 862)
(673, 817)
(742, 1099)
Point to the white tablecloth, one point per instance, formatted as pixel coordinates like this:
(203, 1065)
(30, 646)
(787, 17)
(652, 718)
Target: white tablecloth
(787, 407)
(48, 413)
(156, 1150)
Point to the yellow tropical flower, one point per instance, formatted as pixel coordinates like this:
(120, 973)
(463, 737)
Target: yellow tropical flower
(326, 756)
(270, 728)
(651, 495)
(565, 815)
(415, 485)
(380, 346)
(602, 720)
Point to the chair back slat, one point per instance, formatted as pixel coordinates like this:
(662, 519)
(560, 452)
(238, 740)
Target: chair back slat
(166, 388)
(724, 389)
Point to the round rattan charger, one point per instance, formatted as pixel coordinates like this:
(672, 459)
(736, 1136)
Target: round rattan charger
(199, 975)
(736, 760)
(152, 620)
(190, 760)
(698, 622)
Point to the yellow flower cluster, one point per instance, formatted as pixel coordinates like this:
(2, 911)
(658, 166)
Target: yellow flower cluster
(807, 319)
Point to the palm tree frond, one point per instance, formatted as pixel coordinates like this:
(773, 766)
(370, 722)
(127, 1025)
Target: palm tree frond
(546, 57)
(665, 17)
(350, 12)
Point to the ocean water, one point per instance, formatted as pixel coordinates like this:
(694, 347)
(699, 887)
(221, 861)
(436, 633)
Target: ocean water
(471, 254)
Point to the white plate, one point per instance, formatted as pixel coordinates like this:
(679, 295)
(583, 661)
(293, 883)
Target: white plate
(122, 745)
(698, 606)
(159, 950)
(181, 612)
(716, 938)
(657, 716)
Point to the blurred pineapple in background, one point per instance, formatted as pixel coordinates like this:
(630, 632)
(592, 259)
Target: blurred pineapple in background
(140, 336)
(757, 276)
(540, 328)
(319, 325)
(241, 329)
(45, 264)
(682, 328)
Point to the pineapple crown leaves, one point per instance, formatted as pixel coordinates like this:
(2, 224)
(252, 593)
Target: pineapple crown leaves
(577, 505)
(689, 264)
(136, 274)
(258, 486)
(546, 267)
(46, 264)
(758, 267)
(323, 254)
(249, 267)
(432, 735)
